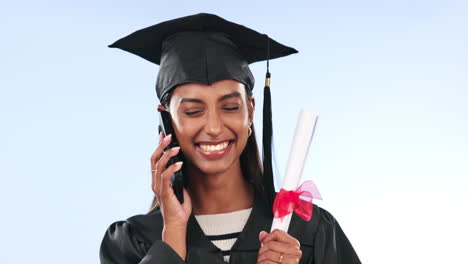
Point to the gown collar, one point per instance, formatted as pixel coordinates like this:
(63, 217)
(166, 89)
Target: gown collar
(260, 219)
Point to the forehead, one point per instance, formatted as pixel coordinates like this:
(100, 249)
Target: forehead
(215, 90)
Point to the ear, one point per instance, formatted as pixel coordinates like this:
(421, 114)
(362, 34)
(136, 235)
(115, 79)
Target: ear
(251, 108)
(161, 108)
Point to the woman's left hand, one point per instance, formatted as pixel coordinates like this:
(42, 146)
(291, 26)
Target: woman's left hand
(278, 247)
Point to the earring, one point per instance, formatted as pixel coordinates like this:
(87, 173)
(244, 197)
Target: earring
(250, 131)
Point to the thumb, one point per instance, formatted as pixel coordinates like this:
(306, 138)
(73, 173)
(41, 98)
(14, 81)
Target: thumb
(262, 235)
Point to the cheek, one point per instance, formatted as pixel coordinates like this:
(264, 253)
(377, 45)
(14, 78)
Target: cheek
(238, 122)
(185, 129)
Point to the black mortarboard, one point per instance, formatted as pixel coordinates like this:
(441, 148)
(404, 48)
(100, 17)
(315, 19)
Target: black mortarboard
(205, 48)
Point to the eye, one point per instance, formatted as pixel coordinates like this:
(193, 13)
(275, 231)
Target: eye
(192, 113)
(192, 110)
(231, 107)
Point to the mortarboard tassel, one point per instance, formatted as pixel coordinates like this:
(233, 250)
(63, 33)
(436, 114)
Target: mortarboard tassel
(267, 136)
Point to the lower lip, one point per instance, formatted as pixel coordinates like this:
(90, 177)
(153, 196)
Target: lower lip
(215, 154)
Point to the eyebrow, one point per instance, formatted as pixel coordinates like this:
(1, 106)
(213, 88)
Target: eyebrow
(224, 97)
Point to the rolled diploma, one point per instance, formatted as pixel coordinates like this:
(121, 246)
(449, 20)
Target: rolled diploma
(302, 137)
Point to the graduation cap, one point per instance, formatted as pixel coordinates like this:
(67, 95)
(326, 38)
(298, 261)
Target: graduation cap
(206, 48)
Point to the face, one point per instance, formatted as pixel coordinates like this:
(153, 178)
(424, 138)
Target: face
(211, 123)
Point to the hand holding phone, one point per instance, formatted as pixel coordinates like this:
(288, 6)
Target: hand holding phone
(177, 179)
(175, 215)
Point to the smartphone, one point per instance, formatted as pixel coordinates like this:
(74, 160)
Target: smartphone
(177, 179)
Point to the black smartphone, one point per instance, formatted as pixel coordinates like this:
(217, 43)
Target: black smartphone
(177, 179)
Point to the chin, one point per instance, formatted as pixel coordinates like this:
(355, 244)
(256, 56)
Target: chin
(214, 167)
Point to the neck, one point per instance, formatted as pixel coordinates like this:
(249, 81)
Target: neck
(219, 193)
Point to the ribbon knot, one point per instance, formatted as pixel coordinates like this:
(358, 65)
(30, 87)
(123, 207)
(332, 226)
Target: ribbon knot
(299, 201)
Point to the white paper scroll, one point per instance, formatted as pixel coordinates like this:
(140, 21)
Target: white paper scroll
(297, 156)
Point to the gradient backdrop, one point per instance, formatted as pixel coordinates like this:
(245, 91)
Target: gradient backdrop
(388, 78)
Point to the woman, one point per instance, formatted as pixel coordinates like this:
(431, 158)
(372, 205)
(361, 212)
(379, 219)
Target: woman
(205, 84)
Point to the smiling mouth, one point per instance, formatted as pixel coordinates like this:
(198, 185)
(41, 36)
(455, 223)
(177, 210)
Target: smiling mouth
(210, 147)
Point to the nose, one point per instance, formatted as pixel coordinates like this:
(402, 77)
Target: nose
(214, 124)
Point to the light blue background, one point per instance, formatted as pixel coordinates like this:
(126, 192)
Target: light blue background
(388, 78)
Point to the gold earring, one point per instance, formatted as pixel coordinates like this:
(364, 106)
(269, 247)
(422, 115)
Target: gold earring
(250, 131)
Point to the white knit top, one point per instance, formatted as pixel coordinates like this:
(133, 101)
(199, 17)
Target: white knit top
(224, 229)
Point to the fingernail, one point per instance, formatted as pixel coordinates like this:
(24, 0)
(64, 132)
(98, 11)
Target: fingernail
(179, 164)
(260, 234)
(176, 149)
(167, 139)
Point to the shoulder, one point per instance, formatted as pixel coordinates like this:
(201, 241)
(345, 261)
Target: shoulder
(306, 231)
(323, 238)
(132, 237)
(146, 227)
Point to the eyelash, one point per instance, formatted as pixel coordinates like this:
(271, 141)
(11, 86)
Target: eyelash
(231, 108)
(192, 113)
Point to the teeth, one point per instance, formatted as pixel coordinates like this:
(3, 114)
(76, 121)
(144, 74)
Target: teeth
(220, 146)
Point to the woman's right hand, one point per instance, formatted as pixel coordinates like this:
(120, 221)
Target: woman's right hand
(175, 215)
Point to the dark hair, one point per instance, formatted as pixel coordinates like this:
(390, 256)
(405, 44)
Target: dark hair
(250, 162)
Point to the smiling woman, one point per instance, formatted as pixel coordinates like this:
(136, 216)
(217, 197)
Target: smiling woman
(206, 85)
(214, 122)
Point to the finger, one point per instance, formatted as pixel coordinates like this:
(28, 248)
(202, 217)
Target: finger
(262, 236)
(277, 257)
(161, 137)
(164, 142)
(162, 162)
(282, 236)
(161, 167)
(166, 188)
(279, 247)
(269, 255)
(289, 259)
(159, 150)
(155, 158)
(267, 262)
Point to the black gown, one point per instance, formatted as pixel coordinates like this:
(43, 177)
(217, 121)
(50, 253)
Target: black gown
(138, 240)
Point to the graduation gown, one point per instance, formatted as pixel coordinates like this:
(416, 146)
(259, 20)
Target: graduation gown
(138, 240)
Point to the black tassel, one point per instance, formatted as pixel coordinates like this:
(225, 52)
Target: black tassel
(267, 148)
(267, 136)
